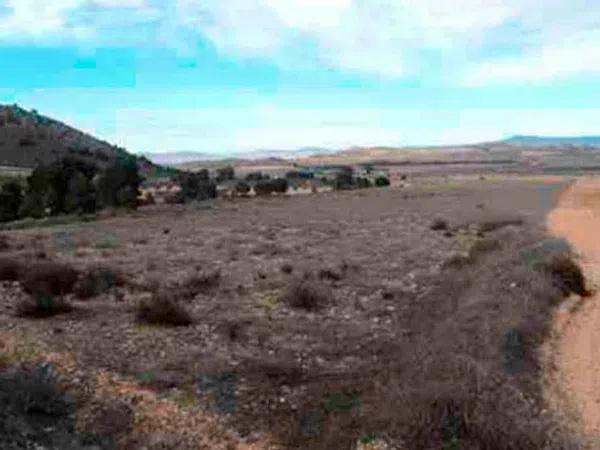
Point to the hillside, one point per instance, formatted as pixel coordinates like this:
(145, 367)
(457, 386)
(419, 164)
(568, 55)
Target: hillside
(28, 138)
(592, 141)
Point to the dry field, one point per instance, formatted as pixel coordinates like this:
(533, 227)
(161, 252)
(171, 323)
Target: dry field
(325, 321)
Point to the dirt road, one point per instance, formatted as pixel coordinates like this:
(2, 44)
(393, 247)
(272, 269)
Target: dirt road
(577, 329)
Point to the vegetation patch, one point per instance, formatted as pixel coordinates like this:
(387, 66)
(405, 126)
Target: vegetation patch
(306, 295)
(163, 309)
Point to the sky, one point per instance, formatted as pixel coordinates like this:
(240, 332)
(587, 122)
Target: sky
(230, 76)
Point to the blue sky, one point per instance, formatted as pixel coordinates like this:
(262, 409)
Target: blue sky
(228, 76)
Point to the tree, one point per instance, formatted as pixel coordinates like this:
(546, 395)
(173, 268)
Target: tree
(196, 186)
(119, 184)
(11, 198)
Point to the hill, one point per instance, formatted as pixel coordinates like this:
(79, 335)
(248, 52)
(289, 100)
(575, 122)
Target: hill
(28, 138)
(592, 141)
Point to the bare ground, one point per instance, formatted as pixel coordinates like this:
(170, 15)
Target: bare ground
(577, 342)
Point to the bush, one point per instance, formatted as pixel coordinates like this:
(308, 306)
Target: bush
(11, 198)
(257, 176)
(201, 283)
(382, 181)
(268, 187)
(196, 186)
(95, 282)
(162, 309)
(439, 225)
(242, 188)
(363, 183)
(305, 295)
(10, 269)
(49, 279)
(567, 275)
(225, 174)
(4, 245)
(344, 179)
(43, 305)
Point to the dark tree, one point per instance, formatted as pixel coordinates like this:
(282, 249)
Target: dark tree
(11, 198)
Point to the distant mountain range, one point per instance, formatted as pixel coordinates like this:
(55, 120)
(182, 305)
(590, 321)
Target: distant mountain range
(178, 158)
(593, 141)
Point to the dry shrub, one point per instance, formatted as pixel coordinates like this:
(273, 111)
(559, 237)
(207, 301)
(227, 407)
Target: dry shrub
(567, 275)
(500, 221)
(49, 279)
(201, 283)
(163, 309)
(439, 225)
(287, 268)
(482, 246)
(42, 305)
(329, 274)
(10, 269)
(4, 245)
(97, 281)
(306, 295)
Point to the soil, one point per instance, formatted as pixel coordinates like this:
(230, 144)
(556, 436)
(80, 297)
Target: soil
(577, 345)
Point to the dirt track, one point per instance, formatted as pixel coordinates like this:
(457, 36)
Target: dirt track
(577, 346)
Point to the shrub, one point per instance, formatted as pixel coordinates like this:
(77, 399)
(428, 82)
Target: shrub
(11, 198)
(268, 187)
(363, 183)
(225, 174)
(329, 274)
(4, 245)
(242, 188)
(495, 223)
(344, 179)
(10, 269)
(567, 275)
(49, 279)
(287, 268)
(382, 181)
(196, 186)
(439, 225)
(95, 282)
(200, 284)
(43, 305)
(162, 309)
(257, 176)
(305, 295)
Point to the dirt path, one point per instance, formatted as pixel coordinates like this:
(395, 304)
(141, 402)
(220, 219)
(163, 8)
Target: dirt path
(577, 325)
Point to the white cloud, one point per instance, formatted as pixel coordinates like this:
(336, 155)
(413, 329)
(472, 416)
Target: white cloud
(387, 38)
